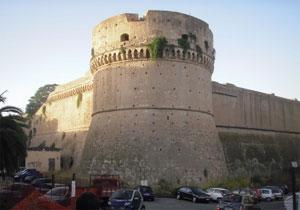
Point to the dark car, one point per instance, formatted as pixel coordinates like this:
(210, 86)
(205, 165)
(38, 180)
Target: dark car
(14, 193)
(60, 195)
(32, 173)
(42, 184)
(237, 202)
(193, 194)
(126, 200)
(146, 192)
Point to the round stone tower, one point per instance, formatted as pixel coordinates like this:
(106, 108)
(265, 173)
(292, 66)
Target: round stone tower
(152, 106)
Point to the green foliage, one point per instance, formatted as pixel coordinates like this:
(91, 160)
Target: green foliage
(183, 42)
(122, 49)
(229, 183)
(42, 145)
(199, 50)
(156, 47)
(13, 139)
(79, 99)
(36, 101)
(44, 110)
(165, 188)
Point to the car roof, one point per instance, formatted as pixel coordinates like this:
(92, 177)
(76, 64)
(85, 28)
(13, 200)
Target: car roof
(216, 188)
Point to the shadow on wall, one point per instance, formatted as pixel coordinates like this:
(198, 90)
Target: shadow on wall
(44, 134)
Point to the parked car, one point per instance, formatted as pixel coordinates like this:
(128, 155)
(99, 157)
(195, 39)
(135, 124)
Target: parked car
(237, 202)
(217, 194)
(126, 200)
(193, 194)
(146, 192)
(14, 193)
(42, 184)
(21, 175)
(60, 195)
(104, 186)
(288, 202)
(255, 193)
(277, 192)
(266, 194)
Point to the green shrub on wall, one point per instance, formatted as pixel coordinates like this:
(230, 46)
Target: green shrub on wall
(183, 42)
(79, 99)
(157, 46)
(122, 49)
(44, 110)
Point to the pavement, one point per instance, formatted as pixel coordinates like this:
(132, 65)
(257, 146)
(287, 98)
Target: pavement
(173, 204)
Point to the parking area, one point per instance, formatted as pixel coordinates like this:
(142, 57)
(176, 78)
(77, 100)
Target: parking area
(173, 204)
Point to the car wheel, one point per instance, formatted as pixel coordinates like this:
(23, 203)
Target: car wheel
(194, 200)
(143, 208)
(178, 197)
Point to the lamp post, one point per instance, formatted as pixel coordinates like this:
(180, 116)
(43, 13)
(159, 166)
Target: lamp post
(294, 166)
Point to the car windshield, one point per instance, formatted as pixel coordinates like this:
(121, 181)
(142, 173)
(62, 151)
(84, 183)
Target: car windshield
(59, 191)
(146, 189)
(232, 198)
(198, 191)
(122, 195)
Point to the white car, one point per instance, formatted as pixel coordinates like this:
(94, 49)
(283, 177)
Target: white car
(217, 194)
(266, 194)
(288, 202)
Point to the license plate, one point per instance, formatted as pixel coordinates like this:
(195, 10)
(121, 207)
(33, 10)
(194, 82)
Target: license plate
(226, 208)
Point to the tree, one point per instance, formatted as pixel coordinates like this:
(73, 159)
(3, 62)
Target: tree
(36, 101)
(12, 137)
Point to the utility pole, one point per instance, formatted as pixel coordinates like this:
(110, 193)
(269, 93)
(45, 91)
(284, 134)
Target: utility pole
(294, 166)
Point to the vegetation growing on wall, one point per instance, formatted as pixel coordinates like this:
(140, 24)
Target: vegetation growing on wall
(157, 46)
(79, 99)
(199, 50)
(36, 101)
(44, 110)
(122, 49)
(183, 42)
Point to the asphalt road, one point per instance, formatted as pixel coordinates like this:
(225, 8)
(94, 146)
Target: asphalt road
(173, 204)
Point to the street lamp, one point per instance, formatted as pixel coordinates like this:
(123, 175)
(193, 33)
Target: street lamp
(294, 166)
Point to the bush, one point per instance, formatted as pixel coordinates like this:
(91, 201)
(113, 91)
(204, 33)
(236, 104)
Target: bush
(183, 42)
(157, 46)
(229, 183)
(165, 188)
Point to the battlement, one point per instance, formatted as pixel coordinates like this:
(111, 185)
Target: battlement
(129, 30)
(143, 53)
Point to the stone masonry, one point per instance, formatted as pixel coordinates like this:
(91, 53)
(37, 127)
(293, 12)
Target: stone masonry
(147, 118)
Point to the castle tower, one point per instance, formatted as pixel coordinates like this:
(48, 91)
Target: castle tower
(152, 110)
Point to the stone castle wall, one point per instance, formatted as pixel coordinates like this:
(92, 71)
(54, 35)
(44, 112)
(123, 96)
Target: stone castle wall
(241, 108)
(164, 118)
(152, 118)
(260, 133)
(65, 119)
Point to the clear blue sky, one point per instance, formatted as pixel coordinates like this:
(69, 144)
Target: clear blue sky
(48, 41)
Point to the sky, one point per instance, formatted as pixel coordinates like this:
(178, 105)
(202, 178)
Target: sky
(42, 42)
